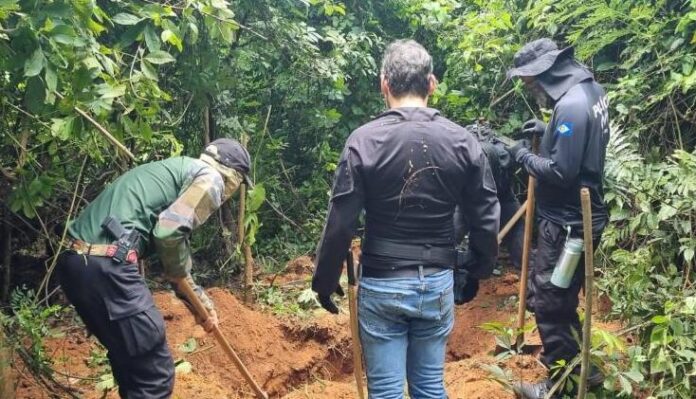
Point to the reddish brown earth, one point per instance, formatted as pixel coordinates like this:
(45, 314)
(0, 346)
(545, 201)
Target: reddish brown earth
(294, 359)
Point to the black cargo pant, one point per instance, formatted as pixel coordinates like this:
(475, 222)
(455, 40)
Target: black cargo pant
(555, 308)
(116, 306)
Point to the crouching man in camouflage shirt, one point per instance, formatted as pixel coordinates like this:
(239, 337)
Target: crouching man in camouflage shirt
(158, 205)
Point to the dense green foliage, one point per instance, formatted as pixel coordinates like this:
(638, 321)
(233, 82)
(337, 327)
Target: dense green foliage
(294, 77)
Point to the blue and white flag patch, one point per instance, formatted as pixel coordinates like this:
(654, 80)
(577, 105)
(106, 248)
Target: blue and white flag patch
(565, 129)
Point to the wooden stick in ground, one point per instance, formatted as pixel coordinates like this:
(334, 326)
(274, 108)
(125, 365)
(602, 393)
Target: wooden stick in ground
(589, 281)
(354, 328)
(187, 290)
(511, 223)
(246, 248)
(526, 250)
(248, 274)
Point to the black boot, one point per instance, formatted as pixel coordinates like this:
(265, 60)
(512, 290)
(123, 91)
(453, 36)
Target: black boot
(528, 390)
(596, 378)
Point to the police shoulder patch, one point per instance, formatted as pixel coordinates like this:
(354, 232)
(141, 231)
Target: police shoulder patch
(565, 129)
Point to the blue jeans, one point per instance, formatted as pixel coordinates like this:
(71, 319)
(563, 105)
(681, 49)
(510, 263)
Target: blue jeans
(404, 327)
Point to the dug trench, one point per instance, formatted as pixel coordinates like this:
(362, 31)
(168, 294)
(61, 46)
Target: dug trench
(290, 358)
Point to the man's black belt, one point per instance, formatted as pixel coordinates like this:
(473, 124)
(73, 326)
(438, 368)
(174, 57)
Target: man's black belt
(426, 254)
(401, 272)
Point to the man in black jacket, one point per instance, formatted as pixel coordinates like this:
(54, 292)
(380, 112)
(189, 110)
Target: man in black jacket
(572, 153)
(408, 169)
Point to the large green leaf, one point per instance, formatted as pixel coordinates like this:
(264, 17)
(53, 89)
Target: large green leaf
(159, 57)
(148, 71)
(35, 63)
(62, 127)
(256, 198)
(151, 39)
(108, 91)
(51, 79)
(125, 19)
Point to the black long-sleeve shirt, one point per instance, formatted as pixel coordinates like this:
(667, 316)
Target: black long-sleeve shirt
(571, 156)
(408, 169)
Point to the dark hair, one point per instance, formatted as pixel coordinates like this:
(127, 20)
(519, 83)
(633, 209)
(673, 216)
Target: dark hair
(407, 67)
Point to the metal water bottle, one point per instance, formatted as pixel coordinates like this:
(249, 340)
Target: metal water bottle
(567, 262)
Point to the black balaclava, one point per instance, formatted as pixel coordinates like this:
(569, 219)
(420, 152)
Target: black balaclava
(563, 75)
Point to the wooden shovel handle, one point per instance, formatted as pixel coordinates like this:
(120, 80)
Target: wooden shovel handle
(526, 250)
(511, 223)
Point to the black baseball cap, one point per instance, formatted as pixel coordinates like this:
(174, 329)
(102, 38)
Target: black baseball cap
(231, 153)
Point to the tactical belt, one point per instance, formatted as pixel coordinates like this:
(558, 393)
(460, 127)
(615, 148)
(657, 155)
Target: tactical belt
(425, 253)
(106, 250)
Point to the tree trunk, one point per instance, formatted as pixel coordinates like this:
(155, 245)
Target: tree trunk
(228, 225)
(7, 378)
(206, 126)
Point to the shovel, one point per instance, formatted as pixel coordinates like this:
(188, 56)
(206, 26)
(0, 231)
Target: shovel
(186, 288)
(354, 328)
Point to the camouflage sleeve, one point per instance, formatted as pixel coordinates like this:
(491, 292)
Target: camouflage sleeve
(197, 201)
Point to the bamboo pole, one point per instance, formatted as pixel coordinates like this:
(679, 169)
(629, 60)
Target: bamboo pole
(186, 288)
(589, 282)
(526, 250)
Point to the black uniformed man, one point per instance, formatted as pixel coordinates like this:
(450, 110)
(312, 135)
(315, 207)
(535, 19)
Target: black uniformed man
(571, 156)
(408, 169)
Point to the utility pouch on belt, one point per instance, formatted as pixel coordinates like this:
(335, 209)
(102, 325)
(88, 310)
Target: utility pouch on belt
(126, 240)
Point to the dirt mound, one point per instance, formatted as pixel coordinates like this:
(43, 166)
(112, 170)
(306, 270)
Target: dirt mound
(496, 302)
(294, 358)
(464, 379)
(280, 355)
(271, 350)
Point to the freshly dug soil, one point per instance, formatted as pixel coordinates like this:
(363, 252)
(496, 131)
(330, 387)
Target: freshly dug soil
(291, 359)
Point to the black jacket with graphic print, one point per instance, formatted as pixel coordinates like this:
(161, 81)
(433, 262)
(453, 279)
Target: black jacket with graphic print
(408, 169)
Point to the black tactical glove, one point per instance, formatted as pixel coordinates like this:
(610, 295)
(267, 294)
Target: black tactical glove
(519, 145)
(533, 127)
(465, 287)
(326, 302)
(468, 292)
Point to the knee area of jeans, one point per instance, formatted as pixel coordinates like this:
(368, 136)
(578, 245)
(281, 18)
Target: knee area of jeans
(427, 393)
(381, 388)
